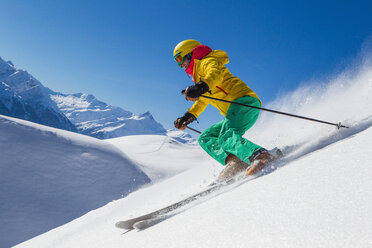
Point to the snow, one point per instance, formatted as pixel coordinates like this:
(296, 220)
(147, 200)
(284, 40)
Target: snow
(319, 195)
(345, 97)
(49, 177)
(160, 156)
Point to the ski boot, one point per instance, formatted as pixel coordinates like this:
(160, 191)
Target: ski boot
(260, 159)
(233, 167)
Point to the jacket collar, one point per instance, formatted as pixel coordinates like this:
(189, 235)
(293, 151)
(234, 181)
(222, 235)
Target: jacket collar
(198, 52)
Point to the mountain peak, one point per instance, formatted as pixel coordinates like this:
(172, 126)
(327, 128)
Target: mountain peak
(6, 68)
(146, 114)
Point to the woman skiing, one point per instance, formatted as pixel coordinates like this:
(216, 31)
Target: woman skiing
(223, 141)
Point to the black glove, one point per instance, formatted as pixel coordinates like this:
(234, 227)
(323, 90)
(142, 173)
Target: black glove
(186, 119)
(193, 93)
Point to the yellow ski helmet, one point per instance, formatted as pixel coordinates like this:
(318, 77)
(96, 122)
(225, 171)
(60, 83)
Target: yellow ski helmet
(183, 48)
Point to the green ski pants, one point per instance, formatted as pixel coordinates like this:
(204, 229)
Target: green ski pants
(225, 137)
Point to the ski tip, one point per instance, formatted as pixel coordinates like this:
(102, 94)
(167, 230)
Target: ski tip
(123, 225)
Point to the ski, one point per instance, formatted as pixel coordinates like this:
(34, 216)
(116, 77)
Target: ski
(129, 224)
(147, 220)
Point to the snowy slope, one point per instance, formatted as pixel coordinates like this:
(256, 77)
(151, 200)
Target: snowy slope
(161, 156)
(49, 177)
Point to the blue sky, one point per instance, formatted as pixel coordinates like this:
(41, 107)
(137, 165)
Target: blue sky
(121, 51)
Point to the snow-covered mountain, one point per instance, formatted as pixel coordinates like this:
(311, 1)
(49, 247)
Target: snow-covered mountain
(22, 96)
(50, 176)
(181, 136)
(95, 118)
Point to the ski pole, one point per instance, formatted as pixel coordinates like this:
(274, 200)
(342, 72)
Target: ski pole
(192, 129)
(338, 125)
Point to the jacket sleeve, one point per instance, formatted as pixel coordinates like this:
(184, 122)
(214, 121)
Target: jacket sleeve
(198, 107)
(212, 71)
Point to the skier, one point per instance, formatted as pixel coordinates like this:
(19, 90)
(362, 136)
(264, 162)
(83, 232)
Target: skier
(223, 141)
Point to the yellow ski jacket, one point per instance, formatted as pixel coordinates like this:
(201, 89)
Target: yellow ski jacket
(222, 84)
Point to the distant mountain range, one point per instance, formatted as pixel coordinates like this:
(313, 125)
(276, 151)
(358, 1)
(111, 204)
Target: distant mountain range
(22, 96)
(95, 118)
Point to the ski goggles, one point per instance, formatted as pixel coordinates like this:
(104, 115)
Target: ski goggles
(178, 58)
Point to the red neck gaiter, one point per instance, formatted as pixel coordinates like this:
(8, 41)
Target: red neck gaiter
(199, 52)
